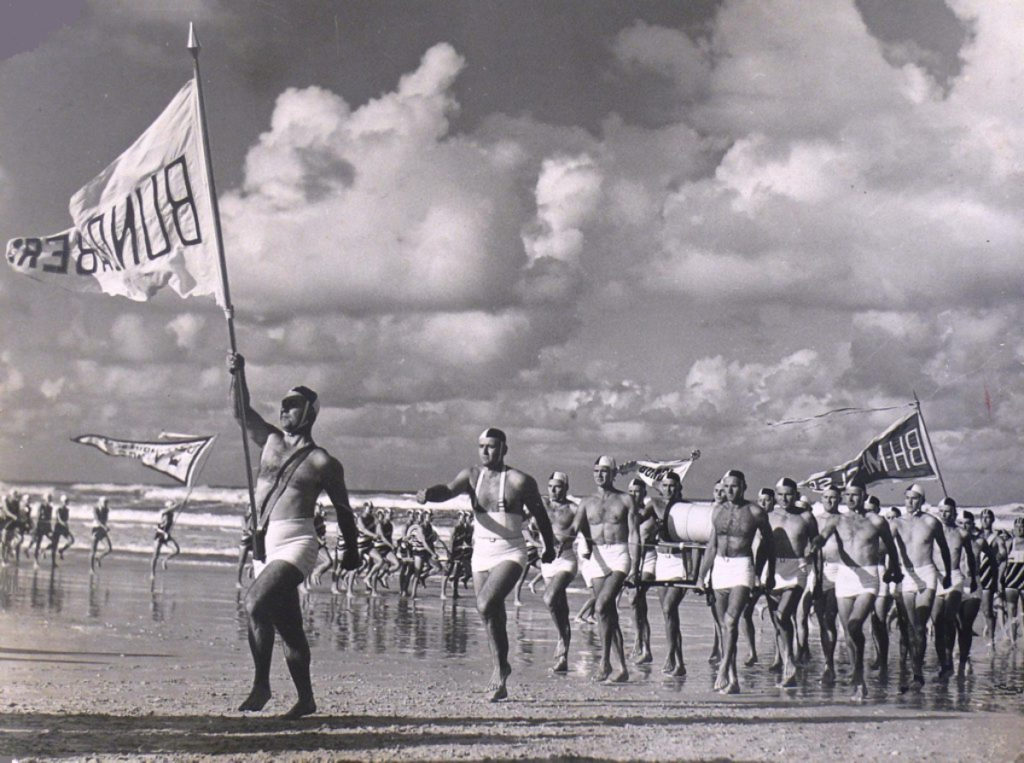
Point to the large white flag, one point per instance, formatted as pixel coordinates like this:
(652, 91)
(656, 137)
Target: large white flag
(651, 472)
(143, 223)
(179, 460)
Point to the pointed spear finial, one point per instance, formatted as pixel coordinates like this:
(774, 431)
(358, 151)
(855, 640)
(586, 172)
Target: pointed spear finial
(193, 41)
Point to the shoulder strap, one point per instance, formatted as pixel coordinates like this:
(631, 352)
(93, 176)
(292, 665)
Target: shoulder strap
(284, 476)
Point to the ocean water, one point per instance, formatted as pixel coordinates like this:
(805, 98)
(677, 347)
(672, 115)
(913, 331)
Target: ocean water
(210, 526)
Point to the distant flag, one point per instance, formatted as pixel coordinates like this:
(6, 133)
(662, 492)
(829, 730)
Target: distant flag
(144, 223)
(901, 452)
(181, 460)
(651, 472)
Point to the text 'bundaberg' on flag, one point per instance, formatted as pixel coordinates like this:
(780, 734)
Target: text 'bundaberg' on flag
(144, 223)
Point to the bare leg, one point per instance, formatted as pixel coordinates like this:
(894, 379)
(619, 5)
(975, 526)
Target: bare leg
(747, 623)
(492, 588)
(159, 544)
(271, 600)
(827, 608)
(670, 598)
(642, 646)
(558, 605)
(789, 600)
(607, 590)
(969, 608)
(854, 610)
(880, 633)
(730, 603)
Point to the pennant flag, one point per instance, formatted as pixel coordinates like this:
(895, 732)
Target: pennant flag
(901, 452)
(651, 472)
(179, 460)
(144, 223)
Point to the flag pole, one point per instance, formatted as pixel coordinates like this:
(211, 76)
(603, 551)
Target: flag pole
(928, 439)
(229, 310)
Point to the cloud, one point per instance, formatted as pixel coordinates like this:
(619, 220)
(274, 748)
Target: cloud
(187, 329)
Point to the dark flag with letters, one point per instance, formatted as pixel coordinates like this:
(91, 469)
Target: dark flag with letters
(900, 453)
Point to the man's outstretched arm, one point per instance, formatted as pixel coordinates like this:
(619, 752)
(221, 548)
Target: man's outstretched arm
(238, 393)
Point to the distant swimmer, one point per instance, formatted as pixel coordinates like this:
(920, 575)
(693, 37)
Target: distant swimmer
(1012, 579)
(670, 566)
(644, 553)
(9, 520)
(946, 608)
(862, 535)
(561, 571)
(100, 532)
(293, 472)
(61, 529)
(162, 537)
(458, 568)
(43, 527)
(501, 496)
(729, 559)
(989, 561)
(793, 533)
(917, 535)
(607, 516)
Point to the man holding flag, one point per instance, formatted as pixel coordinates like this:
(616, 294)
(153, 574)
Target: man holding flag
(293, 472)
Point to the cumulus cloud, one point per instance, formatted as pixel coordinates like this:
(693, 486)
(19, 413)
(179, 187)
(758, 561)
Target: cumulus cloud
(186, 328)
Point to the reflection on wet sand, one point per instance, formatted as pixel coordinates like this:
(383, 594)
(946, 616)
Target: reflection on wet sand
(203, 598)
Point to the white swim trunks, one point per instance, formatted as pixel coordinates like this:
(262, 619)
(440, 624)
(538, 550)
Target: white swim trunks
(732, 572)
(854, 581)
(564, 563)
(293, 541)
(828, 577)
(790, 572)
(956, 583)
(669, 564)
(606, 558)
(919, 579)
(649, 563)
(488, 553)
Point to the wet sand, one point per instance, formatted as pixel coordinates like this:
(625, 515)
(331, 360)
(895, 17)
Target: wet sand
(113, 670)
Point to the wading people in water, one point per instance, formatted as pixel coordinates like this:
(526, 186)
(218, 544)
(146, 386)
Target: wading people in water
(100, 532)
(293, 472)
(501, 497)
(729, 559)
(163, 536)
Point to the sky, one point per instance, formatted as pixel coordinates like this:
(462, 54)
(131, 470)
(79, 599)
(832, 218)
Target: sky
(625, 228)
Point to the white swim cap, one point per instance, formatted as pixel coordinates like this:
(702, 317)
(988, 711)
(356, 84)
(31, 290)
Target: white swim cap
(606, 461)
(310, 400)
(559, 477)
(916, 489)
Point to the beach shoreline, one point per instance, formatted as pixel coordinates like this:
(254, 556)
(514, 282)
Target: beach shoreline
(105, 667)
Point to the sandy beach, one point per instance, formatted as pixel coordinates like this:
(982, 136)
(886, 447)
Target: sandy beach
(110, 669)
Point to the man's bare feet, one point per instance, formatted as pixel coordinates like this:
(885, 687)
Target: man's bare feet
(751, 660)
(561, 664)
(788, 680)
(721, 681)
(603, 671)
(678, 671)
(860, 691)
(496, 686)
(258, 697)
(300, 708)
(828, 678)
(733, 687)
(644, 657)
(618, 677)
